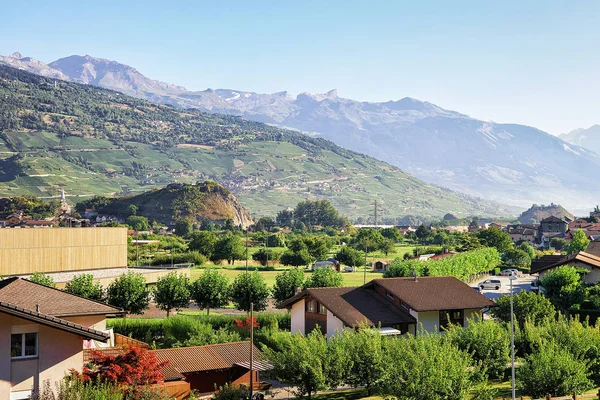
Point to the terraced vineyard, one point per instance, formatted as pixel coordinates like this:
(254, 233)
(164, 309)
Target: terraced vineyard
(95, 141)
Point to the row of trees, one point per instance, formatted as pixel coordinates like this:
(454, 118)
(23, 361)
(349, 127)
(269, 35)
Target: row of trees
(461, 265)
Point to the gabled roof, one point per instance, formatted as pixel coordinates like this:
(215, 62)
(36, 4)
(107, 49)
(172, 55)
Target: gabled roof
(49, 301)
(207, 358)
(432, 293)
(53, 322)
(594, 248)
(552, 218)
(582, 256)
(355, 306)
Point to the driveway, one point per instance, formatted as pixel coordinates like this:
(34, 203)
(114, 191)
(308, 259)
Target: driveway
(520, 284)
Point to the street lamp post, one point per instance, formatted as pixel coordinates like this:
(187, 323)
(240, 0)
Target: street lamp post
(512, 337)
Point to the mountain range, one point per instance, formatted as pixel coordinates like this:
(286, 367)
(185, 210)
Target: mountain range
(92, 141)
(588, 138)
(512, 163)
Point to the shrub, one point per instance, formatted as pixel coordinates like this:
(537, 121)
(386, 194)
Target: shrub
(231, 392)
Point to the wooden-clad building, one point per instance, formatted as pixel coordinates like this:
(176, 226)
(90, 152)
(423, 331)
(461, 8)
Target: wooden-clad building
(24, 251)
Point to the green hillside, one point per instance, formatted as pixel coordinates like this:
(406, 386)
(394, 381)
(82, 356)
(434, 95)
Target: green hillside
(93, 141)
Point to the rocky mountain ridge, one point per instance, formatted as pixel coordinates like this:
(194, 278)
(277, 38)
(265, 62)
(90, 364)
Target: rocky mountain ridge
(511, 163)
(588, 138)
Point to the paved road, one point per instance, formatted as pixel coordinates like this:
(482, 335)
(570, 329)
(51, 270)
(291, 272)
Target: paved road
(520, 284)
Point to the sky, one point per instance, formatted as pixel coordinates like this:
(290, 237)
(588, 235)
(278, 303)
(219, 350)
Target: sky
(529, 62)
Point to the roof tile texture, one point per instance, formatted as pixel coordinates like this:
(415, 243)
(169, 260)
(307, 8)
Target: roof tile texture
(30, 295)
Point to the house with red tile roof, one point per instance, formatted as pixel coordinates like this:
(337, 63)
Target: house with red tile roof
(42, 331)
(399, 305)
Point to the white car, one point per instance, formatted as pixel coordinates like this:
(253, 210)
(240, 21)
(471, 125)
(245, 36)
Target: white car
(491, 284)
(509, 272)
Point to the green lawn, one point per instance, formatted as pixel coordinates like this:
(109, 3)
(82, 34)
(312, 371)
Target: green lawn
(350, 278)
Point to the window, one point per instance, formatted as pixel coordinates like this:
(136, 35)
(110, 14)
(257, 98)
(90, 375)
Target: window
(322, 309)
(310, 306)
(389, 294)
(455, 318)
(23, 345)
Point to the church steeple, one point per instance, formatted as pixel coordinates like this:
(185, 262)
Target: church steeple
(63, 198)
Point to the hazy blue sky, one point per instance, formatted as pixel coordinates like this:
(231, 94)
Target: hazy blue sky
(530, 62)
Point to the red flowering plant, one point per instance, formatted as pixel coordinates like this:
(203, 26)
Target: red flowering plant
(243, 325)
(135, 367)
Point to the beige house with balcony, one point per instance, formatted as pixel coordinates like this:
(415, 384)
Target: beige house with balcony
(42, 332)
(394, 305)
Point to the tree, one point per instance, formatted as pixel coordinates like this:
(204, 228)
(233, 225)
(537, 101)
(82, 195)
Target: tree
(135, 367)
(558, 243)
(211, 290)
(367, 360)
(264, 224)
(324, 277)
(369, 240)
(554, 371)
(563, 287)
(388, 247)
(249, 287)
(516, 258)
(423, 233)
(296, 259)
(299, 362)
(138, 223)
(488, 342)
(426, 367)
(229, 248)
(132, 209)
(83, 285)
(578, 243)
(494, 237)
(350, 256)
(265, 255)
(183, 227)
(42, 279)
(527, 306)
(317, 246)
(286, 284)
(318, 212)
(172, 291)
(203, 242)
(129, 292)
(392, 233)
(285, 218)
(527, 248)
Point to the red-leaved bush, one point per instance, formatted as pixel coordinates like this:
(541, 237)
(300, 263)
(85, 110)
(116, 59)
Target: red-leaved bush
(136, 366)
(243, 325)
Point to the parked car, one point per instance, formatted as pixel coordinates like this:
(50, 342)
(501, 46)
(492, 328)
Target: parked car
(491, 284)
(509, 272)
